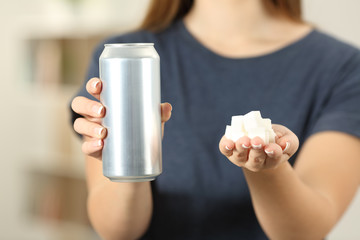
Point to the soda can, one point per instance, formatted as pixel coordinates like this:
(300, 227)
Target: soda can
(130, 75)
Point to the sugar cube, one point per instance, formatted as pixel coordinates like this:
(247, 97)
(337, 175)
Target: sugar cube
(251, 125)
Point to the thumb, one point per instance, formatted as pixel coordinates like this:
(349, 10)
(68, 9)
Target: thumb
(166, 109)
(286, 139)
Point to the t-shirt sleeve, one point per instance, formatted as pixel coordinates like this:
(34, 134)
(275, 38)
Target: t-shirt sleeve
(342, 110)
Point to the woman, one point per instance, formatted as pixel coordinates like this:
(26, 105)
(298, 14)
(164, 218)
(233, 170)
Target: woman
(224, 58)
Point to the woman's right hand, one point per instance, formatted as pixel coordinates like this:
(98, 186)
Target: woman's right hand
(90, 124)
(92, 111)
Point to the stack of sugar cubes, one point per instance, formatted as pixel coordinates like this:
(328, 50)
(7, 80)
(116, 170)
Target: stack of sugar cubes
(251, 125)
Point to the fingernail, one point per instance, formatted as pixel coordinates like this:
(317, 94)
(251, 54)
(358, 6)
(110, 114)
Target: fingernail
(286, 147)
(96, 84)
(100, 131)
(97, 143)
(244, 146)
(228, 148)
(269, 152)
(256, 146)
(98, 109)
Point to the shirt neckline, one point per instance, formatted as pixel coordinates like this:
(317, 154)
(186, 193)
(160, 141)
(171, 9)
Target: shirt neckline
(189, 37)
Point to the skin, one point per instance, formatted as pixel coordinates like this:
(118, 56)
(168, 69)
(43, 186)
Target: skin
(303, 202)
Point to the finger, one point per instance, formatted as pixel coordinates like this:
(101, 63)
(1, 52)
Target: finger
(286, 139)
(87, 107)
(274, 155)
(241, 151)
(273, 150)
(166, 109)
(257, 155)
(94, 87)
(226, 146)
(92, 147)
(280, 130)
(288, 144)
(243, 143)
(90, 129)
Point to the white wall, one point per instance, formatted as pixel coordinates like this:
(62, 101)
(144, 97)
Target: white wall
(340, 18)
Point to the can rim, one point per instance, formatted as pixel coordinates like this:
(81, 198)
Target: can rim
(129, 45)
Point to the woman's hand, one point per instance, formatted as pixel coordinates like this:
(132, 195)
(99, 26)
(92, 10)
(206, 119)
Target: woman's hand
(90, 125)
(254, 155)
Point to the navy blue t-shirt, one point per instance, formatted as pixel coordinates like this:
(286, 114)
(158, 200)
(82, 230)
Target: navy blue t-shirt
(309, 86)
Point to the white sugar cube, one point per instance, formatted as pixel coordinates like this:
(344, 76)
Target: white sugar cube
(228, 132)
(272, 136)
(237, 120)
(232, 134)
(267, 137)
(267, 123)
(252, 120)
(251, 125)
(237, 135)
(257, 132)
(237, 128)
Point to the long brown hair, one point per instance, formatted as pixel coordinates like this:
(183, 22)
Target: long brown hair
(162, 13)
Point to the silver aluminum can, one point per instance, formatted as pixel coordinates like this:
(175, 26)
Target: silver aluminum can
(130, 74)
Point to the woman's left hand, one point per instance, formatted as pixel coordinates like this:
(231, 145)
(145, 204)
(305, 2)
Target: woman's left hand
(254, 155)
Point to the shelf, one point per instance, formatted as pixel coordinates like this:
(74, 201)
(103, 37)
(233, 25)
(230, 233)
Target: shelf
(56, 195)
(57, 62)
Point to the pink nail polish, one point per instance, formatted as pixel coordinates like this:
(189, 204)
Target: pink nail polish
(97, 109)
(100, 131)
(259, 146)
(228, 148)
(97, 143)
(96, 84)
(244, 146)
(286, 147)
(269, 152)
(100, 110)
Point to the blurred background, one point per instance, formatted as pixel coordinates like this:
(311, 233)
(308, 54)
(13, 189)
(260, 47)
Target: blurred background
(45, 47)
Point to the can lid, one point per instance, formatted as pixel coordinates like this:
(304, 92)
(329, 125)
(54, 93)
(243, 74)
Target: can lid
(129, 45)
